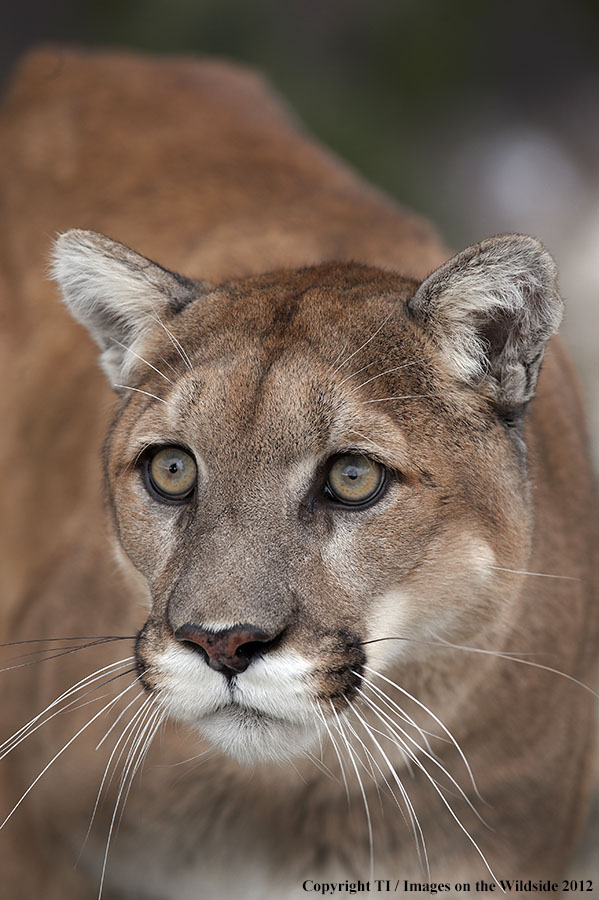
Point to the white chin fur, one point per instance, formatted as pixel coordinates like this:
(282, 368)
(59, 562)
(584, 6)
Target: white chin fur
(265, 714)
(252, 737)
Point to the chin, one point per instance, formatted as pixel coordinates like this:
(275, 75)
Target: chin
(251, 736)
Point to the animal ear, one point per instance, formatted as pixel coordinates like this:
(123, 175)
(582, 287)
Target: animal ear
(116, 293)
(492, 309)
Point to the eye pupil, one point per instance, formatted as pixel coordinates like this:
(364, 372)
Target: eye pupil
(355, 479)
(171, 473)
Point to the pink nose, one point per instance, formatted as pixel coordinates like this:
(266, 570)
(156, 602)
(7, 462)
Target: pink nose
(229, 651)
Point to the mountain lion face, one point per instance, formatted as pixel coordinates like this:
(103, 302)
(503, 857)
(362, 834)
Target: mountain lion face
(316, 472)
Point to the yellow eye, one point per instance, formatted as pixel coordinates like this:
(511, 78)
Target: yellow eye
(355, 479)
(172, 473)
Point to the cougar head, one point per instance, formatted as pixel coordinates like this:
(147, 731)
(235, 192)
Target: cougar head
(306, 462)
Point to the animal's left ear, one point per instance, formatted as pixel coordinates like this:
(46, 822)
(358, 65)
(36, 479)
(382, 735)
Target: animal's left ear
(492, 309)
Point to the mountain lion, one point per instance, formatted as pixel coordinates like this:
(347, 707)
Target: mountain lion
(328, 583)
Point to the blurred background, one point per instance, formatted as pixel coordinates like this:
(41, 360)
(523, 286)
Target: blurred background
(481, 116)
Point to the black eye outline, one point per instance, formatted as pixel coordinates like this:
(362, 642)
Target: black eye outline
(338, 502)
(152, 488)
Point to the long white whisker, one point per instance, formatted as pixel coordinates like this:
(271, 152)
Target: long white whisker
(460, 824)
(382, 716)
(391, 704)
(536, 574)
(176, 343)
(146, 737)
(415, 824)
(369, 761)
(130, 350)
(29, 728)
(127, 387)
(455, 817)
(436, 719)
(372, 762)
(351, 754)
(517, 659)
(335, 748)
(120, 716)
(371, 338)
(72, 706)
(388, 372)
(147, 707)
(183, 762)
(401, 397)
(110, 758)
(320, 765)
(60, 752)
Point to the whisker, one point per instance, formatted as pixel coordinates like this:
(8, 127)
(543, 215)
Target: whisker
(126, 387)
(176, 343)
(370, 761)
(536, 574)
(437, 720)
(397, 728)
(357, 372)
(339, 355)
(464, 829)
(414, 822)
(22, 734)
(150, 727)
(404, 716)
(138, 741)
(28, 728)
(388, 372)
(401, 397)
(189, 759)
(170, 365)
(120, 716)
(80, 637)
(335, 748)
(372, 336)
(63, 651)
(110, 758)
(509, 655)
(130, 350)
(351, 754)
(202, 757)
(131, 465)
(60, 752)
(320, 765)
(524, 662)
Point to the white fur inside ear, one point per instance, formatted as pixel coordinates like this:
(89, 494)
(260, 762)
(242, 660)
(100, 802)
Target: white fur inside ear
(493, 307)
(115, 292)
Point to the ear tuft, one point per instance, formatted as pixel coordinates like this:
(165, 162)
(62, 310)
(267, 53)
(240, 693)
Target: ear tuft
(116, 293)
(492, 309)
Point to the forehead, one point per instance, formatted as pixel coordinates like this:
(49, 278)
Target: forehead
(275, 362)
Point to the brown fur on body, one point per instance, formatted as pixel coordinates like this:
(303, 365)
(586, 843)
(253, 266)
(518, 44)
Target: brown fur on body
(198, 167)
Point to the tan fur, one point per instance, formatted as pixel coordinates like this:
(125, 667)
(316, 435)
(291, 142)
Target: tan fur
(195, 165)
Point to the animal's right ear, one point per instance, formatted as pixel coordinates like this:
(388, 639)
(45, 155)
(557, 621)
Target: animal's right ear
(117, 294)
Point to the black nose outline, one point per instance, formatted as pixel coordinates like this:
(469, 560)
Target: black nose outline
(230, 650)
